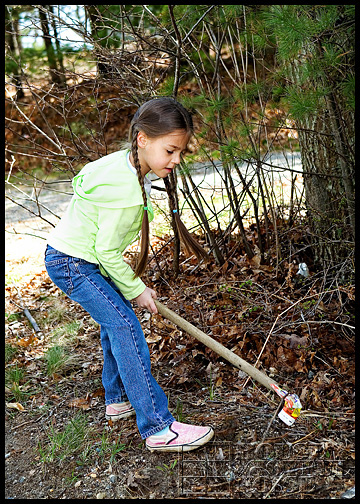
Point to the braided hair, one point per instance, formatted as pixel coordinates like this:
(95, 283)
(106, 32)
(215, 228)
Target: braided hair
(158, 117)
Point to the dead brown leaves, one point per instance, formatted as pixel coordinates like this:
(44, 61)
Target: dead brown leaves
(310, 349)
(237, 304)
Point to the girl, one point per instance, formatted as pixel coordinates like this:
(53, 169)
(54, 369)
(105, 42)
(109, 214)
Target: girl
(84, 259)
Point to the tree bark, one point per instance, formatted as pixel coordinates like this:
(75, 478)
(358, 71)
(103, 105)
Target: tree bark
(327, 199)
(328, 165)
(59, 54)
(12, 40)
(51, 56)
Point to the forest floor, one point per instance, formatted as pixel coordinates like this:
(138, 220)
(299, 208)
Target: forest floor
(59, 445)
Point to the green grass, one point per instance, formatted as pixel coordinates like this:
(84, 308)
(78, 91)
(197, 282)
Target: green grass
(59, 360)
(57, 311)
(179, 415)
(10, 353)
(66, 333)
(15, 385)
(78, 439)
(71, 440)
(168, 469)
(109, 447)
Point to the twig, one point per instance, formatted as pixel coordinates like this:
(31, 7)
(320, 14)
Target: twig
(281, 404)
(36, 214)
(304, 437)
(274, 485)
(197, 22)
(28, 121)
(280, 315)
(34, 420)
(302, 316)
(329, 322)
(28, 234)
(329, 415)
(26, 311)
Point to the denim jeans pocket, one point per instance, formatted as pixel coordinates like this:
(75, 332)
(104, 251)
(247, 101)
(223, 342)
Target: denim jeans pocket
(81, 270)
(53, 256)
(57, 267)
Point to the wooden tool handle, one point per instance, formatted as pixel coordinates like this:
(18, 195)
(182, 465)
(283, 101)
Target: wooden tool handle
(217, 347)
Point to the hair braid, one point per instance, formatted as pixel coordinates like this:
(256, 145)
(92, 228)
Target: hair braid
(191, 245)
(170, 192)
(144, 238)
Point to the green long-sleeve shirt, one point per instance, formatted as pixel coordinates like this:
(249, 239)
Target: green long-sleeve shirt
(103, 217)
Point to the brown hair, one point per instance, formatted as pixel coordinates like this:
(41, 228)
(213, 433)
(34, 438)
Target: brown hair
(155, 118)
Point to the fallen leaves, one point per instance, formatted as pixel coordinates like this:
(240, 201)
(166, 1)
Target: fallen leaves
(230, 304)
(15, 405)
(297, 341)
(25, 342)
(83, 403)
(236, 305)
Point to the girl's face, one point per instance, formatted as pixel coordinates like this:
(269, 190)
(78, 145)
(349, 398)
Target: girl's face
(161, 154)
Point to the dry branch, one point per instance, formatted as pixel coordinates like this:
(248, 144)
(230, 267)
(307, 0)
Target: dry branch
(26, 311)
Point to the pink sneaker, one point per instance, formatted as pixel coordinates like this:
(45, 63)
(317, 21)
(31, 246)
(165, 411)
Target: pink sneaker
(119, 411)
(180, 437)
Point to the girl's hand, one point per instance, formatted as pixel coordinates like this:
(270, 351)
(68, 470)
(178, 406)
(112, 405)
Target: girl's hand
(145, 300)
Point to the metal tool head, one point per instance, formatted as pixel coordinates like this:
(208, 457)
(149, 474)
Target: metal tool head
(292, 406)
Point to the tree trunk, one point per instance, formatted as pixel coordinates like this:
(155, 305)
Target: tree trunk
(97, 24)
(328, 198)
(328, 161)
(51, 56)
(12, 41)
(59, 54)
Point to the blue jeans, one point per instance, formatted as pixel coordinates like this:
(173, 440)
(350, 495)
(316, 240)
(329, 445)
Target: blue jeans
(126, 370)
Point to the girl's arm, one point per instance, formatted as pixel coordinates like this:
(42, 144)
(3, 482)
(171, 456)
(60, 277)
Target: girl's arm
(117, 228)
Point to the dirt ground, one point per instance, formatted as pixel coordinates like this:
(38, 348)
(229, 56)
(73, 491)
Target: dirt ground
(289, 463)
(252, 455)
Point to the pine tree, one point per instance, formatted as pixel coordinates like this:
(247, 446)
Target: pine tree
(315, 46)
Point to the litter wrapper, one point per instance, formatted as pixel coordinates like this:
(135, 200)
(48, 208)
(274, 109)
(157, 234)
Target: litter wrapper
(303, 270)
(292, 406)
